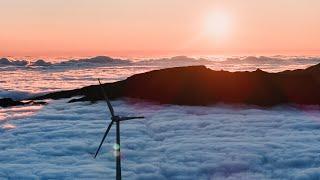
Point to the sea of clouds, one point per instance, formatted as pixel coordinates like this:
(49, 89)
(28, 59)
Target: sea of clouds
(57, 141)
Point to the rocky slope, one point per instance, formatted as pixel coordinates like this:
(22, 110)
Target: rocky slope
(198, 85)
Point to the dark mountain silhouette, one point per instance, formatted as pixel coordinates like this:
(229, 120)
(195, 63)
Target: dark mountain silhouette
(198, 85)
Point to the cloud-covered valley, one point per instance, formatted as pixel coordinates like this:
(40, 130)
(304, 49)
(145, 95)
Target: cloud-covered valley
(173, 142)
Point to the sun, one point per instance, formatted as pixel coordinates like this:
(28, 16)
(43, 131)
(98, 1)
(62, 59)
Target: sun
(218, 25)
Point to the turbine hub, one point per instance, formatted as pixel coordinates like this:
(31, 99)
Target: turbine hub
(115, 118)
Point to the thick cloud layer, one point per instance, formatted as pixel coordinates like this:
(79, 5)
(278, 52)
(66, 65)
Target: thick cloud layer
(7, 62)
(272, 60)
(173, 142)
(88, 62)
(237, 63)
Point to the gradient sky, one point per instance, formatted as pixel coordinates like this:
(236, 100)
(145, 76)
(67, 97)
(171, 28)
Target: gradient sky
(149, 27)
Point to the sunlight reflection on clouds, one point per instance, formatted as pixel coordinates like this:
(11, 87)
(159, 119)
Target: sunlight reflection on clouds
(8, 126)
(18, 112)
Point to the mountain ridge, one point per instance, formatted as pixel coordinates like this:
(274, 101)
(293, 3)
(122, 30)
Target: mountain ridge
(199, 85)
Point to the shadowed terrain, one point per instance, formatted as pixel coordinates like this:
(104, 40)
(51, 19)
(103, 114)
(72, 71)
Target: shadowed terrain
(8, 102)
(198, 85)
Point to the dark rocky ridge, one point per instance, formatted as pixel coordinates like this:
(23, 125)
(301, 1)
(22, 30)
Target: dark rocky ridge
(8, 102)
(198, 85)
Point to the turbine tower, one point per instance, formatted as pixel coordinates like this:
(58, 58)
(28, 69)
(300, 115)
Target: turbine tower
(114, 119)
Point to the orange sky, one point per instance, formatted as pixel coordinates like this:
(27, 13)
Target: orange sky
(150, 27)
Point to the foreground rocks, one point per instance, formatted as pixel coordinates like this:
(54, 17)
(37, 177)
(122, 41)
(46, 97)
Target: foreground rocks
(198, 85)
(7, 102)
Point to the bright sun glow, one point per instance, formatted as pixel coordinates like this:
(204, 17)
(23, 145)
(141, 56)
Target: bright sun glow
(218, 25)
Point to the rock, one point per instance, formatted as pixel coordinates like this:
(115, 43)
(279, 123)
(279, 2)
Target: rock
(198, 85)
(8, 102)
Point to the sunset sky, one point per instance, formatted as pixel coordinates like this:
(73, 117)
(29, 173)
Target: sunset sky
(149, 27)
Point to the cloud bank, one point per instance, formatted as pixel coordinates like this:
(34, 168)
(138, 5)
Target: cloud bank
(173, 142)
(88, 62)
(238, 63)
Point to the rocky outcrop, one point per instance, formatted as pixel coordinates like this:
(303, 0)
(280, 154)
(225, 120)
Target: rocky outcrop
(7, 102)
(198, 85)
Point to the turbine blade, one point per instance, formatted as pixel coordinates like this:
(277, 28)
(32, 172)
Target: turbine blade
(129, 118)
(107, 99)
(104, 137)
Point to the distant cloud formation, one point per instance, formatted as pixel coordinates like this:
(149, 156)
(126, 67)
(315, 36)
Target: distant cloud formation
(7, 62)
(272, 60)
(99, 60)
(105, 61)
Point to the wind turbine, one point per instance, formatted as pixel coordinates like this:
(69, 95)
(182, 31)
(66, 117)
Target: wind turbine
(114, 119)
